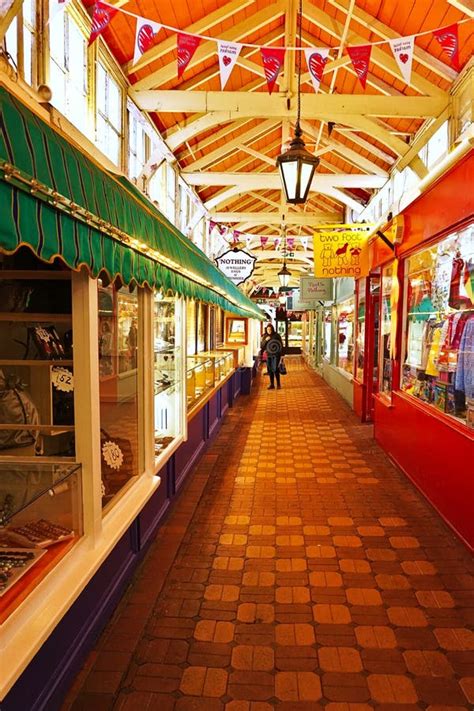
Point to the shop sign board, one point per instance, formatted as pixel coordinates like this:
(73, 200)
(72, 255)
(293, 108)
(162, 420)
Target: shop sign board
(313, 290)
(339, 250)
(237, 265)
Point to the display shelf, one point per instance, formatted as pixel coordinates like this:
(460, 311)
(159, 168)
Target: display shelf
(25, 317)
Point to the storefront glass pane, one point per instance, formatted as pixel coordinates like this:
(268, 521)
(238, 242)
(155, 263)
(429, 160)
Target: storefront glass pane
(168, 384)
(345, 335)
(190, 327)
(360, 337)
(327, 331)
(119, 337)
(385, 330)
(439, 329)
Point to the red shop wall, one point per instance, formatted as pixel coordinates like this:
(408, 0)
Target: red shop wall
(436, 456)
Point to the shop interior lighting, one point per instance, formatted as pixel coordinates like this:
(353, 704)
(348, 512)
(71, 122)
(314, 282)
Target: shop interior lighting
(297, 165)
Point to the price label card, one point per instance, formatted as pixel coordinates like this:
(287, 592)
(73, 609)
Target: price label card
(62, 379)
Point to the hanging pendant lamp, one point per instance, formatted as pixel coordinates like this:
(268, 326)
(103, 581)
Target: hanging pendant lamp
(297, 165)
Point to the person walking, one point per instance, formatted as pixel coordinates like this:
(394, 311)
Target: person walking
(272, 345)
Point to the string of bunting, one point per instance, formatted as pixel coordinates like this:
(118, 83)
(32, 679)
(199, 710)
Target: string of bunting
(237, 237)
(272, 57)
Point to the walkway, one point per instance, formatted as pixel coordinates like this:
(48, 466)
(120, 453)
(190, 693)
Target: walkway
(299, 570)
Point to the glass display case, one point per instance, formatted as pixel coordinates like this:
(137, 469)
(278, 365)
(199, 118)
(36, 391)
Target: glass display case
(199, 378)
(345, 335)
(223, 363)
(40, 519)
(295, 334)
(327, 333)
(438, 364)
(360, 330)
(238, 353)
(36, 362)
(167, 364)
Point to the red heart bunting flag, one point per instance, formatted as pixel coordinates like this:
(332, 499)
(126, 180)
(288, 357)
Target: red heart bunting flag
(187, 45)
(101, 17)
(272, 59)
(228, 53)
(316, 59)
(449, 40)
(360, 58)
(263, 240)
(402, 49)
(290, 242)
(144, 36)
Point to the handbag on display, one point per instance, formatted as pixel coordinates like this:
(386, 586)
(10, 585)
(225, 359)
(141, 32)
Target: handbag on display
(282, 367)
(16, 408)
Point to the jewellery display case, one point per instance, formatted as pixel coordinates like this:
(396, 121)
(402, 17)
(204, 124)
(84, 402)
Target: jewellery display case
(199, 378)
(168, 354)
(223, 363)
(237, 351)
(36, 362)
(40, 520)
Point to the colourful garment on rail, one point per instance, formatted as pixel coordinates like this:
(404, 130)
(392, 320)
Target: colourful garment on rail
(464, 377)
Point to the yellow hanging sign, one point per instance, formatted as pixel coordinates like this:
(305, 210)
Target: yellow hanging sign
(339, 251)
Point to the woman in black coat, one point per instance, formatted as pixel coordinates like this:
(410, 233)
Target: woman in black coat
(272, 345)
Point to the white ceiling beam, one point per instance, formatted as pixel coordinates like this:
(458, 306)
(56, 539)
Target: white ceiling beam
(272, 181)
(345, 199)
(385, 32)
(355, 138)
(264, 218)
(221, 197)
(381, 58)
(256, 154)
(207, 49)
(8, 12)
(239, 104)
(202, 26)
(466, 6)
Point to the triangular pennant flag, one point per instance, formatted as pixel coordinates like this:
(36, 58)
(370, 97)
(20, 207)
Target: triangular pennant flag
(212, 224)
(228, 53)
(290, 242)
(100, 19)
(263, 240)
(449, 40)
(144, 36)
(277, 242)
(360, 58)
(304, 242)
(187, 45)
(316, 58)
(402, 49)
(272, 59)
(55, 7)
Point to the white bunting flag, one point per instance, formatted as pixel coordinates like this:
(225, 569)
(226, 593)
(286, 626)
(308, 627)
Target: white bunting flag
(402, 49)
(228, 53)
(56, 7)
(145, 34)
(316, 58)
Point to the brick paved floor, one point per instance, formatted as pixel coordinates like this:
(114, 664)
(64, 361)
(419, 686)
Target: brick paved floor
(298, 570)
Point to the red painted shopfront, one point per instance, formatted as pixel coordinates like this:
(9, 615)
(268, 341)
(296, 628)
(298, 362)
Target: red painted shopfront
(414, 346)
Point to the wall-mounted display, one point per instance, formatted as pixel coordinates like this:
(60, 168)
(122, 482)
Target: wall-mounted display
(237, 330)
(345, 335)
(385, 367)
(439, 326)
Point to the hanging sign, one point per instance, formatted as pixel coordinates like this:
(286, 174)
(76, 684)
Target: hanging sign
(228, 53)
(313, 290)
(338, 251)
(402, 49)
(448, 38)
(144, 36)
(237, 265)
(316, 59)
(272, 58)
(187, 45)
(360, 58)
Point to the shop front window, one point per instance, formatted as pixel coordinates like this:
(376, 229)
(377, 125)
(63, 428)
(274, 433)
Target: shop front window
(167, 371)
(360, 333)
(109, 115)
(345, 335)
(385, 330)
(119, 338)
(191, 338)
(439, 328)
(327, 333)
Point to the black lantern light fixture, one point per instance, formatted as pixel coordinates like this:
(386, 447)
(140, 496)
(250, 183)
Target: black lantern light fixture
(297, 165)
(284, 274)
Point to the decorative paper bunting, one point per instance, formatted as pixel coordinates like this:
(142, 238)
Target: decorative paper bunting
(263, 240)
(144, 36)
(236, 236)
(187, 45)
(100, 19)
(56, 7)
(277, 242)
(316, 58)
(290, 243)
(360, 58)
(304, 242)
(402, 49)
(272, 59)
(212, 225)
(228, 53)
(449, 40)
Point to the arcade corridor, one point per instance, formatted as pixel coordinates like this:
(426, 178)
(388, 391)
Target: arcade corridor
(298, 570)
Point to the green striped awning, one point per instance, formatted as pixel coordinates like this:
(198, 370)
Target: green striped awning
(59, 202)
